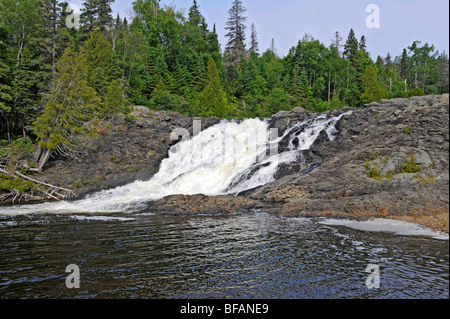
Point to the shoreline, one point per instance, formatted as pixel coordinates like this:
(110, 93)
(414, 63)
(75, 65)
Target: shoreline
(390, 160)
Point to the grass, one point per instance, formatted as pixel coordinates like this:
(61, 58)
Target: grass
(408, 130)
(411, 167)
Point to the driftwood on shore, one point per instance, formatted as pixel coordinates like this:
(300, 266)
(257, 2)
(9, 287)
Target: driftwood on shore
(42, 191)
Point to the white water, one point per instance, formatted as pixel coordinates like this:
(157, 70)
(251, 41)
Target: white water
(226, 158)
(387, 225)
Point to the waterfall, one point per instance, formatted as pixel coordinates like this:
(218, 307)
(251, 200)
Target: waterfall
(227, 158)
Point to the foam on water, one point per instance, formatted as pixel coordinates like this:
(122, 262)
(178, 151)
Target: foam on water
(387, 225)
(226, 158)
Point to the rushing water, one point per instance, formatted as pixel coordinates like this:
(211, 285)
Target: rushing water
(226, 158)
(252, 255)
(124, 251)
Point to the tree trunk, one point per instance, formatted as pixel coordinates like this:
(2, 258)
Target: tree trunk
(44, 158)
(329, 83)
(8, 131)
(416, 84)
(37, 155)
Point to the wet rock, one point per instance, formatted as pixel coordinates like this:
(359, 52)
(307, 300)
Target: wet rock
(186, 205)
(382, 137)
(385, 135)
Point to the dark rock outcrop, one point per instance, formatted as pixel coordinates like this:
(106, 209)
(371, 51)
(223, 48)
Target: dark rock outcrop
(123, 152)
(185, 205)
(389, 138)
(369, 170)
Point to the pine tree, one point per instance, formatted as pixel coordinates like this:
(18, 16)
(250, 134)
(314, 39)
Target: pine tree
(404, 65)
(71, 106)
(105, 18)
(5, 89)
(114, 100)
(214, 47)
(388, 61)
(336, 42)
(300, 88)
(351, 47)
(373, 90)
(99, 59)
(235, 48)
(195, 17)
(444, 73)
(50, 12)
(212, 100)
(95, 13)
(362, 44)
(273, 47)
(254, 45)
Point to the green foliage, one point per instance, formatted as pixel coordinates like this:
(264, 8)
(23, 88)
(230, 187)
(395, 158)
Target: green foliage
(408, 130)
(212, 100)
(374, 173)
(114, 100)
(20, 185)
(415, 92)
(71, 105)
(411, 166)
(373, 90)
(162, 60)
(18, 149)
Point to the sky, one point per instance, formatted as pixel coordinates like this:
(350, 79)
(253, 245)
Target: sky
(401, 22)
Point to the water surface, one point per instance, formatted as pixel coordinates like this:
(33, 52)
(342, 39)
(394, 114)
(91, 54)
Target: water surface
(253, 255)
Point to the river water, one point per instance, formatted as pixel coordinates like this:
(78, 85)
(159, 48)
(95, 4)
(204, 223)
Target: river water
(251, 255)
(121, 250)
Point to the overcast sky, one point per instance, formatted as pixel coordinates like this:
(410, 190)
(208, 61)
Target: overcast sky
(401, 21)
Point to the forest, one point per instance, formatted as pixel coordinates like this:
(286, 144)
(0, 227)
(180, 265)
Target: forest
(60, 75)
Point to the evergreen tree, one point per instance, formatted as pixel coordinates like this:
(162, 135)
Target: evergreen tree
(351, 47)
(444, 73)
(362, 44)
(300, 88)
(95, 13)
(71, 106)
(273, 47)
(235, 48)
(212, 100)
(114, 100)
(5, 89)
(99, 53)
(254, 45)
(388, 61)
(336, 42)
(404, 65)
(195, 17)
(373, 90)
(214, 48)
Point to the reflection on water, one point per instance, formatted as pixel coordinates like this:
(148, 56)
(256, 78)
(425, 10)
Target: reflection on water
(252, 255)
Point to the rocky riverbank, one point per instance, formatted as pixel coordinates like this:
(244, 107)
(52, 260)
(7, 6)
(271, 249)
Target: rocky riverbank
(390, 160)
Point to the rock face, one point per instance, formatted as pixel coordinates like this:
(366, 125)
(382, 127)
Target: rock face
(185, 205)
(390, 159)
(123, 152)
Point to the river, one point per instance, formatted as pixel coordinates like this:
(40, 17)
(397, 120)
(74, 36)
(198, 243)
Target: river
(250, 255)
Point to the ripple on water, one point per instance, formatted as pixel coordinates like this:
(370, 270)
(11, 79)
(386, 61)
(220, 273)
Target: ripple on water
(244, 256)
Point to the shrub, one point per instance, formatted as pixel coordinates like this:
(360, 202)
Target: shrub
(415, 92)
(411, 166)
